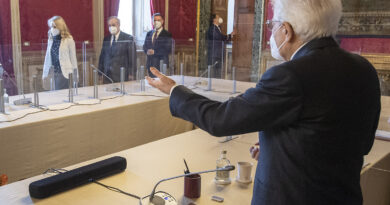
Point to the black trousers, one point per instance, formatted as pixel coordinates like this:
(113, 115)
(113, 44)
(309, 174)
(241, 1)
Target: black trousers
(60, 81)
(216, 70)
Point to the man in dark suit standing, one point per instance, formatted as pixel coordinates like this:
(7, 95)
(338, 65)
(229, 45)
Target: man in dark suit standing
(216, 43)
(118, 51)
(316, 114)
(158, 44)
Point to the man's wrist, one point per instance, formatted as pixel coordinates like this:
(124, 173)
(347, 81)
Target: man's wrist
(172, 88)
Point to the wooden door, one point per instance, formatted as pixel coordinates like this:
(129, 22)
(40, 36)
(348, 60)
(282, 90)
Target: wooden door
(220, 7)
(244, 16)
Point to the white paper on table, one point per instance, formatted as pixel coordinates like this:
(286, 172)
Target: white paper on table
(384, 135)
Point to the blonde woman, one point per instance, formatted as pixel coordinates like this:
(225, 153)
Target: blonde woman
(60, 56)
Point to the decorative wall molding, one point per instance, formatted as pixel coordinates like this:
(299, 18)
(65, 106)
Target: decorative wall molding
(166, 21)
(16, 42)
(98, 26)
(365, 24)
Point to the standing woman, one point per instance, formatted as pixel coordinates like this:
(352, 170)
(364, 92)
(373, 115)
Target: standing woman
(60, 53)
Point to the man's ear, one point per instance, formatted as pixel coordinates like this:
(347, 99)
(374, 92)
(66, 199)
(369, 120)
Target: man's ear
(288, 31)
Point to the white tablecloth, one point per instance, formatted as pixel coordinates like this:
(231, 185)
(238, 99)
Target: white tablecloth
(61, 138)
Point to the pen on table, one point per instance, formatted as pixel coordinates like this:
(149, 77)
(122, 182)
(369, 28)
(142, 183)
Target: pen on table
(187, 171)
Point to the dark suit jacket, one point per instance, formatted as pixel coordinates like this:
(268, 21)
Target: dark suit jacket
(122, 54)
(162, 48)
(215, 43)
(316, 116)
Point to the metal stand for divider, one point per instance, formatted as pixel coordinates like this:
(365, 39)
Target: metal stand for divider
(70, 87)
(182, 73)
(209, 84)
(123, 80)
(95, 85)
(234, 80)
(35, 87)
(2, 103)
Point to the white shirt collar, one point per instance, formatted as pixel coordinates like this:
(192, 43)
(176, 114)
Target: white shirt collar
(159, 30)
(292, 57)
(116, 36)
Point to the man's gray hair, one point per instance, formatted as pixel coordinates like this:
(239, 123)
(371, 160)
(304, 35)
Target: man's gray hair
(114, 17)
(310, 19)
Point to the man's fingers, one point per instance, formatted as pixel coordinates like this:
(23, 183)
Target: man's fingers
(255, 153)
(257, 156)
(156, 72)
(151, 81)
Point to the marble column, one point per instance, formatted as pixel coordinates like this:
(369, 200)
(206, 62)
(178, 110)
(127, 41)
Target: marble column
(204, 18)
(21, 78)
(257, 40)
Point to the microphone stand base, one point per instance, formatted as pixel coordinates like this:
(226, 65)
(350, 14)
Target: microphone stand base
(23, 101)
(160, 199)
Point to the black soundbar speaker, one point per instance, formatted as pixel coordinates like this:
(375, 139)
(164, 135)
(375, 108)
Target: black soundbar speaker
(68, 180)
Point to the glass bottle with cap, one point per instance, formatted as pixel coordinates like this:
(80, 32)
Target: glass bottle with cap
(222, 177)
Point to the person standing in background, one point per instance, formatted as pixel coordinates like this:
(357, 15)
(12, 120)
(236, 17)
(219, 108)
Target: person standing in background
(216, 43)
(158, 44)
(118, 51)
(60, 56)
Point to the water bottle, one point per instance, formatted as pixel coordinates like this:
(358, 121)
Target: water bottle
(222, 177)
(6, 97)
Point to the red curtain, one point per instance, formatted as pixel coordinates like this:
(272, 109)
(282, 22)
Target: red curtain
(35, 13)
(111, 8)
(158, 6)
(182, 21)
(6, 46)
(366, 45)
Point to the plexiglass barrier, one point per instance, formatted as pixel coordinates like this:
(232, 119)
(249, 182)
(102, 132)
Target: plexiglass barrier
(97, 69)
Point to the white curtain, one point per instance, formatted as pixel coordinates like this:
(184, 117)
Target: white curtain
(142, 20)
(125, 14)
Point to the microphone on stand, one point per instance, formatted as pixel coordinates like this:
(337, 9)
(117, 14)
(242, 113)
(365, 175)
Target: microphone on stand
(24, 100)
(157, 200)
(202, 74)
(113, 88)
(206, 71)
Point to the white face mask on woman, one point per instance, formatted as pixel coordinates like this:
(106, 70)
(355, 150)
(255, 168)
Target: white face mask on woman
(275, 50)
(55, 31)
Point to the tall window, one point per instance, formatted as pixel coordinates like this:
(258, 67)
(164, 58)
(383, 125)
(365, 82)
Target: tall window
(125, 14)
(230, 22)
(135, 18)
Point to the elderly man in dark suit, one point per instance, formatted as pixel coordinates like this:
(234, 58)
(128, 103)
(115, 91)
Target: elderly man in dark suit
(216, 42)
(118, 51)
(316, 114)
(158, 44)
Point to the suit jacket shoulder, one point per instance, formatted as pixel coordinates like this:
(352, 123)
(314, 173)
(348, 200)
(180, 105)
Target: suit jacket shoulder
(165, 33)
(150, 33)
(125, 36)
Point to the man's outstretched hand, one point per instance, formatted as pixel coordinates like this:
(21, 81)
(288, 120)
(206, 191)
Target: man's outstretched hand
(164, 84)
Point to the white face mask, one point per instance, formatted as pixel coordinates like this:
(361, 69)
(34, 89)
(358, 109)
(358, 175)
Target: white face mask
(113, 30)
(54, 31)
(157, 24)
(220, 20)
(275, 51)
